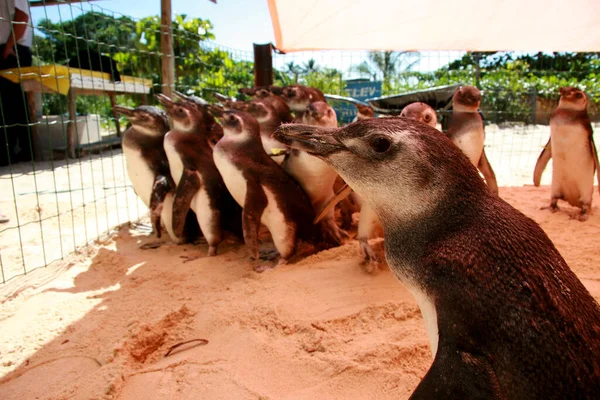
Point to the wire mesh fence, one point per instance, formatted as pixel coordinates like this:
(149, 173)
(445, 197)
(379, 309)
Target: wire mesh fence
(63, 181)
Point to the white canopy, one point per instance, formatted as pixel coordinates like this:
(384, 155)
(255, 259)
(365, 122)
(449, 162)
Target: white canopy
(472, 25)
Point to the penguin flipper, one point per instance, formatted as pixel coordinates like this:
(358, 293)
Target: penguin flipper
(188, 186)
(488, 173)
(331, 203)
(254, 206)
(595, 157)
(160, 189)
(458, 375)
(541, 163)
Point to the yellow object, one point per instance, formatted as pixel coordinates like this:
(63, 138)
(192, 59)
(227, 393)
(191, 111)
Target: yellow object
(276, 152)
(57, 78)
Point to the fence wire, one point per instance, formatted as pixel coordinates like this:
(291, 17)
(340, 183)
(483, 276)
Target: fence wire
(63, 183)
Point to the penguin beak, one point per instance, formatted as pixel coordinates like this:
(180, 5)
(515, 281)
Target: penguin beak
(314, 140)
(181, 96)
(164, 100)
(126, 111)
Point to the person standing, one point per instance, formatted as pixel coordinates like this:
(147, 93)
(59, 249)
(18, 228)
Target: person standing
(15, 51)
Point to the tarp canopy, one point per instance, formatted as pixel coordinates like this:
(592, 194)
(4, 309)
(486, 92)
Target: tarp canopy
(469, 25)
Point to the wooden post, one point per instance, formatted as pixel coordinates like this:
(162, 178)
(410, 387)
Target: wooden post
(113, 103)
(263, 64)
(71, 126)
(166, 48)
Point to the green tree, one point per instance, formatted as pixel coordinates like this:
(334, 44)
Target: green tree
(386, 64)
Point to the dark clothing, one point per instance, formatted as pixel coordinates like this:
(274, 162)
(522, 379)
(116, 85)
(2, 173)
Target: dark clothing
(15, 138)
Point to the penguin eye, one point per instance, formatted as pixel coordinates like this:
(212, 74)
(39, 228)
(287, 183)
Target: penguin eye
(380, 144)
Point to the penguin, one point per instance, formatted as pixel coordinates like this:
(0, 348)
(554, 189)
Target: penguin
(421, 112)
(148, 168)
(466, 131)
(199, 184)
(575, 159)
(505, 315)
(267, 194)
(269, 118)
(298, 97)
(262, 93)
(363, 111)
(315, 176)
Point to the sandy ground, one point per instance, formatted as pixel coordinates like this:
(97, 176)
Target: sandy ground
(106, 322)
(57, 207)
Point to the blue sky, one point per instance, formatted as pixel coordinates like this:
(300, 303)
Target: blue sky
(238, 23)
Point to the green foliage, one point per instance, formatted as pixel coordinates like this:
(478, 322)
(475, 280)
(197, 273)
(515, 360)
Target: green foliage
(93, 30)
(136, 48)
(328, 80)
(386, 65)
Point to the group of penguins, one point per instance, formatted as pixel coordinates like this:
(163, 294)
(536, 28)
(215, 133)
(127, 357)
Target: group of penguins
(505, 316)
(210, 169)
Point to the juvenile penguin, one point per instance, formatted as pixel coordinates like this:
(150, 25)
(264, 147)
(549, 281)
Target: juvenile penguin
(315, 176)
(298, 97)
(267, 194)
(199, 184)
(571, 145)
(281, 108)
(420, 112)
(466, 131)
(148, 167)
(363, 111)
(505, 316)
(268, 119)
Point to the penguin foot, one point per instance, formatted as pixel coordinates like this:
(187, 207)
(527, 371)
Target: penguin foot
(583, 216)
(367, 251)
(152, 245)
(268, 255)
(552, 208)
(264, 267)
(212, 251)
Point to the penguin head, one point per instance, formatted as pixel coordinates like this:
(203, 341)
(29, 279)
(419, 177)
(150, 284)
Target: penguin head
(296, 97)
(364, 111)
(239, 125)
(320, 113)
(420, 112)
(148, 120)
(188, 115)
(400, 166)
(262, 93)
(260, 110)
(466, 98)
(573, 98)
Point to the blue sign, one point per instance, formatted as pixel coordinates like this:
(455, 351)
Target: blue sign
(359, 90)
(362, 90)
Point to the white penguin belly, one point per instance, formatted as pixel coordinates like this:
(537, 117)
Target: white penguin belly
(140, 174)
(427, 308)
(572, 164)
(232, 176)
(175, 163)
(314, 175)
(204, 213)
(471, 144)
(166, 217)
(272, 217)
